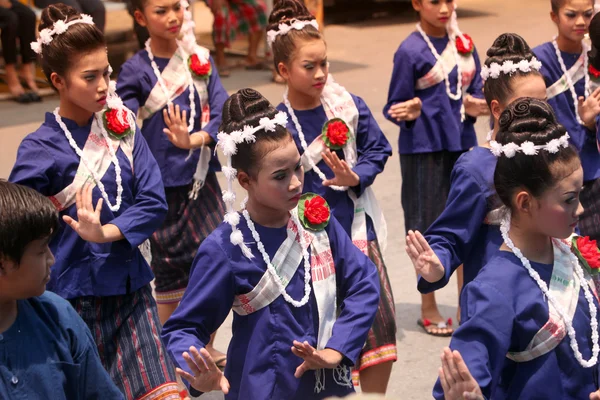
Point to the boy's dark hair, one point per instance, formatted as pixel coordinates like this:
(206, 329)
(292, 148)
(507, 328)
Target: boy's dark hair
(247, 107)
(507, 47)
(284, 46)
(25, 216)
(60, 54)
(532, 120)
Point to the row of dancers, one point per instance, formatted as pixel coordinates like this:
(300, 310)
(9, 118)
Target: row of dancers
(301, 264)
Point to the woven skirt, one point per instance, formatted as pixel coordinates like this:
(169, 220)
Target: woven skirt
(425, 186)
(126, 330)
(238, 17)
(380, 346)
(174, 245)
(589, 221)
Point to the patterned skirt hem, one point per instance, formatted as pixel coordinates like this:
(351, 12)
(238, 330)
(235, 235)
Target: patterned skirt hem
(170, 297)
(167, 391)
(374, 357)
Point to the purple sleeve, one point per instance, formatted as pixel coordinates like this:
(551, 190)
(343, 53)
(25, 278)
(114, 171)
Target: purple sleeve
(216, 97)
(34, 167)
(372, 146)
(139, 221)
(205, 304)
(358, 294)
(452, 234)
(128, 85)
(402, 84)
(476, 87)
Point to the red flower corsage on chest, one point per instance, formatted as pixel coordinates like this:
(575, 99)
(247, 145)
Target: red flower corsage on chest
(466, 46)
(116, 124)
(199, 68)
(335, 133)
(587, 252)
(594, 73)
(313, 212)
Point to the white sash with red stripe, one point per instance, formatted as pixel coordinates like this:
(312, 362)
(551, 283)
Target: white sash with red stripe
(564, 286)
(338, 103)
(446, 64)
(176, 82)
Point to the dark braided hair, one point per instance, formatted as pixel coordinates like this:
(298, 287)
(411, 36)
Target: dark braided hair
(507, 47)
(284, 46)
(247, 107)
(60, 54)
(533, 120)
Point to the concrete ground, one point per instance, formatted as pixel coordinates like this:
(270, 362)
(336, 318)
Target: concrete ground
(361, 59)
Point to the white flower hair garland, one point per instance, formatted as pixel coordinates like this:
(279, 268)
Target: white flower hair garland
(59, 27)
(509, 67)
(284, 28)
(228, 143)
(528, 148)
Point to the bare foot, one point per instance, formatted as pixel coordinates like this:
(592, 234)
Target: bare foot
(12, 80)
(28, 75)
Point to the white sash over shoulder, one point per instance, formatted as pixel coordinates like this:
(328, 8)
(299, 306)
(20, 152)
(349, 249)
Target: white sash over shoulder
(338, 103)
(564, 286)
(176, 80)
(577, 72)
(446, 64)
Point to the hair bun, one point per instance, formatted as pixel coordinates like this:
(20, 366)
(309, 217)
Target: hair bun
(529, 119)
(245, 107)
(285, 10)
(55, 12)
(508, 46)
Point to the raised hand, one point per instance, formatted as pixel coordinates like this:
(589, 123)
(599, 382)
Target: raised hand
(595, 395)
(206, 375)
(407, 110)
(426, 262)
(88, 226)
(314, 359)
(177, 127)
(456, 379)
(344, 176)
(589, 108)
(475, 107)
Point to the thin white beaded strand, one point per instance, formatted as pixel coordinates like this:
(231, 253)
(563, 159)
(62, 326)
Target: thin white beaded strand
(271, 268)
(112, 153)
(454, 96)
(163, 86)
(298, 127)
(563, 67)
(504, 229)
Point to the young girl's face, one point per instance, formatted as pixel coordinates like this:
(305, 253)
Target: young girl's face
(307, 71)
(434, 12)
(86, 83)
(163, 18)
(278, 183)
(573, 19)
(558, 208)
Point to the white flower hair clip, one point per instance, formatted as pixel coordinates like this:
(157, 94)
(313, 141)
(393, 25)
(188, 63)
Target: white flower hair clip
(509, 67)
(228, 142)
(528, 148)
(284, 29)
(59, 27)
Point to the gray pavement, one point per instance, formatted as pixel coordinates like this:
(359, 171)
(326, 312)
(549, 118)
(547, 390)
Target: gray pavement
(361, 60)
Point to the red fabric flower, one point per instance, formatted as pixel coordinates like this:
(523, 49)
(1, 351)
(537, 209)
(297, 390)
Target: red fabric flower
(113, 123)
(337, 133)
(593, 71)
(316, 210)
(589, 251)
(199, 68)
(461, 47)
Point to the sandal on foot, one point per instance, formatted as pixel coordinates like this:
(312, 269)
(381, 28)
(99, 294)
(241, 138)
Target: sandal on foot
(434, 329)
(23, 98)
(221, 362)
(34, 97)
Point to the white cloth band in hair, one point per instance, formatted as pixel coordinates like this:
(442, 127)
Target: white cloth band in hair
(228, 143)
(528, 148)
(284, 29)
(59, 27)
(509, 67)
